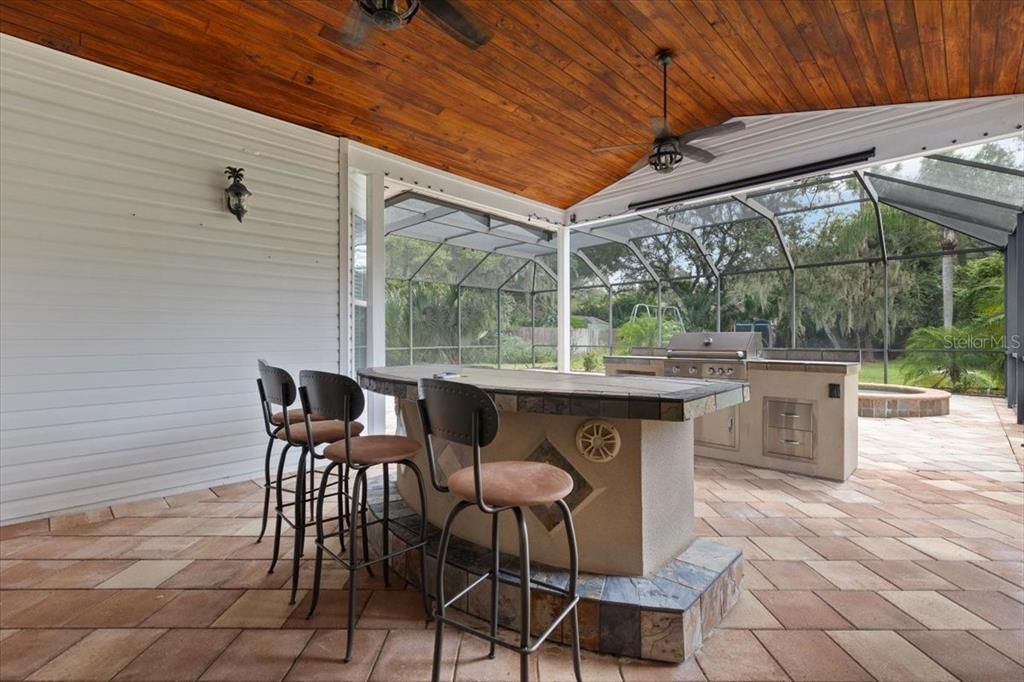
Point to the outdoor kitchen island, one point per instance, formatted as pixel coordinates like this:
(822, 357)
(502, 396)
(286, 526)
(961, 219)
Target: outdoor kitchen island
(649, 588)
(801, 416)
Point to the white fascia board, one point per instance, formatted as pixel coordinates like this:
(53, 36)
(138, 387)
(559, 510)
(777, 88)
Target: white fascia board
(780, 141)
(408, 174)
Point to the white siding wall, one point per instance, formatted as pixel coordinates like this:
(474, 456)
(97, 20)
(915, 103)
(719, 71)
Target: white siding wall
(133, 305)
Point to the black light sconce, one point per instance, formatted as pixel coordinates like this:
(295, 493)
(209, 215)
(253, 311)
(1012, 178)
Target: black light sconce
(236, 193)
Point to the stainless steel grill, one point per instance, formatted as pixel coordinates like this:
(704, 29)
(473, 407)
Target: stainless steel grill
(712, 355)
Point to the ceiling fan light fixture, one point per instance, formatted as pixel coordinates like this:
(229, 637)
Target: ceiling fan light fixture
(665, 156)
(669, 149)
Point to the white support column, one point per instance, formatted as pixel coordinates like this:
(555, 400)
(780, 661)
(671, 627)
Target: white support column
(375, 302)
(344, 263)
(564, 305)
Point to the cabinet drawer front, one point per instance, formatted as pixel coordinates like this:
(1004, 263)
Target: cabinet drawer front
(789, 442)
(783, 414)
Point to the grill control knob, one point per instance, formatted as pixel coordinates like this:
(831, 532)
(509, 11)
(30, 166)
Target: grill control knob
(675, 370)
(730, 370)
(709, 370)
(693, 370)
(720, 371)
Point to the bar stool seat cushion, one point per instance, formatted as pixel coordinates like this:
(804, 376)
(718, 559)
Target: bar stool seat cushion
(374, 450)
(324, 431)
(513, 484)
(294, 417)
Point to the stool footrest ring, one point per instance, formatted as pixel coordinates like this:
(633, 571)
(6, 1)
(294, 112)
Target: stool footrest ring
(363, 564)
(537, 641)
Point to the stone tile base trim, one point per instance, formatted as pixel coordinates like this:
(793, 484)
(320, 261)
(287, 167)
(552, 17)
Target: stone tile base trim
(890, 400)
(662, 617)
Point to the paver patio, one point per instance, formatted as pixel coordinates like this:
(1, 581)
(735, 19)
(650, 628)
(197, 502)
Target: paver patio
(912, 569)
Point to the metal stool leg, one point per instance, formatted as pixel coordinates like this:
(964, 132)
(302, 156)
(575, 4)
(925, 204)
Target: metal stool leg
(342, 496)
(266, 487)
(320, 539)
(495, 568)
(362, 506)
(352, 572)
(524, 595)
(312, 485)
(423, 537)
(343, 493)
(343, 514)
(279, 509)
(385, 541)
(300, 522)
(574, 571)
(442, 551)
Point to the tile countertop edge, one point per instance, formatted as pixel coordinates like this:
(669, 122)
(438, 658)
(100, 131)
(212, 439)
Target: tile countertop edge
(689, 403)
(819, 366)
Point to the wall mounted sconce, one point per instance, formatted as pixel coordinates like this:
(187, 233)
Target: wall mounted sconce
(236, 193)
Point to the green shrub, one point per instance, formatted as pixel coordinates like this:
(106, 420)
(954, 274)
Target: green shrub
(591, 361)
(576, 322)
(949, 358)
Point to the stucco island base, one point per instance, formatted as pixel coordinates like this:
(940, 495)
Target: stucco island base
(632, 514)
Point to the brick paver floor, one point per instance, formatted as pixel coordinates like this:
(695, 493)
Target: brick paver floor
(911, 570)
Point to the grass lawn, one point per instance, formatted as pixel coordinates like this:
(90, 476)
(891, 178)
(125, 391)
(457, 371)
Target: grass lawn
(872, 373)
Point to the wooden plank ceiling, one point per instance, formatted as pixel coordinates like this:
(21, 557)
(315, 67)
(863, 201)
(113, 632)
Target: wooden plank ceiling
(556, 78)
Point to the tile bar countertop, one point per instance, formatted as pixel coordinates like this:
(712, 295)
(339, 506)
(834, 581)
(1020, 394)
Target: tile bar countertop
(544, 392)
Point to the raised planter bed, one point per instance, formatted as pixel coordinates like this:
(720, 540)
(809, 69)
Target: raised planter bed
(895, 400)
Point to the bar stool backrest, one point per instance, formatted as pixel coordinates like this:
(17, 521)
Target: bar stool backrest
(278, 384)
(276, 387)
(458, 413)
(332, 396)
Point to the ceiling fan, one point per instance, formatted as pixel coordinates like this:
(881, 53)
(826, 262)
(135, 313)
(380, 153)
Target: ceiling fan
(391, 15)
(668, 149)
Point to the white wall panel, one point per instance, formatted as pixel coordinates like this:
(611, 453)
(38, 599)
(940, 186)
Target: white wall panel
(133, 305)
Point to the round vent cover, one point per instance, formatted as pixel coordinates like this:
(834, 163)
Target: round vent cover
(598, 441)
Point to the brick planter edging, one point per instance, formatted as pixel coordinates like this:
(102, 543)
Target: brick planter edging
(888, 403)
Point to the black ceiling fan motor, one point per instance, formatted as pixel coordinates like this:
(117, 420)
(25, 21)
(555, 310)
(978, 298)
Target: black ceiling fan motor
(391, 15)
(386, 15)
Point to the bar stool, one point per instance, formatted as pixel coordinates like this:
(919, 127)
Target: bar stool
(464, 414)
(272, 423)
(277, 388)
(336, 396)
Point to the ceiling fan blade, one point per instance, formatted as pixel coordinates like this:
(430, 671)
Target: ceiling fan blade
(620, 147)
(352, 34)
(642, 162)
(659, 126)
(696, 153)
(713, 131)
(456, 22)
